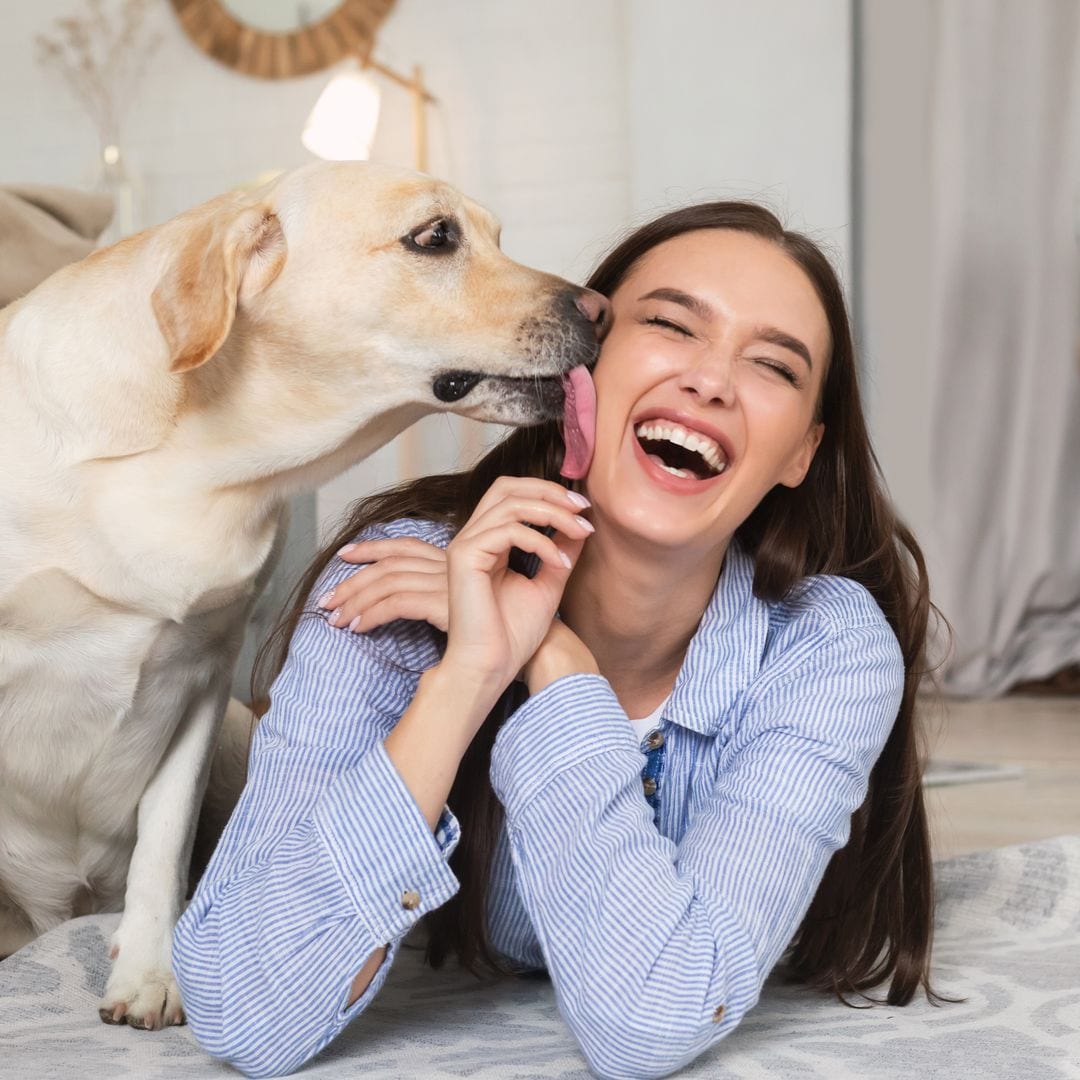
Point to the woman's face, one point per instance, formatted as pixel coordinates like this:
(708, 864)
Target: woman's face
(705, 349)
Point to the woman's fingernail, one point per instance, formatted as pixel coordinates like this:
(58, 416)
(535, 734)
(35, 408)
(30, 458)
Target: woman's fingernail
(584, 523)
(346, 549)
(578, 499)
(566, 559)
(354, 624)
(334, 618)
(324, 601)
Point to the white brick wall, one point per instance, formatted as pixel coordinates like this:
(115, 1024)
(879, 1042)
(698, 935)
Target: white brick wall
(566, 118)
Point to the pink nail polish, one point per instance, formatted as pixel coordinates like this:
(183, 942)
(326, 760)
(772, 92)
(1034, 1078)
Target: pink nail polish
(578, 499)
(354, 624)
(334, 618)
(324, 600)
(566, 559)
(585, 523)
(346, 549)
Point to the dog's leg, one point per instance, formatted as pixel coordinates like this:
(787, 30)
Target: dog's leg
(228, 774)
(141, 990)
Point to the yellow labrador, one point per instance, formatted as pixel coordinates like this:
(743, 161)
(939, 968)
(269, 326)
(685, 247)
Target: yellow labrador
(158, 403)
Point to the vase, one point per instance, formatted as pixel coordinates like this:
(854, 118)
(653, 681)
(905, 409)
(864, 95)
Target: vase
(116, 175)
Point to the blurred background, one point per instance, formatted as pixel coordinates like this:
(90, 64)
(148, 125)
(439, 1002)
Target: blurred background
(932, 146)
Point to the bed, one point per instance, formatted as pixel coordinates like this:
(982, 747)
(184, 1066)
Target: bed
(1008, 941)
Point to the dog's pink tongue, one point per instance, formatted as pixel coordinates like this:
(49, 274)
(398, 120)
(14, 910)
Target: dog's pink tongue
(579, 422)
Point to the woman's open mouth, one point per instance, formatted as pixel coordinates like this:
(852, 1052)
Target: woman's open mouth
(678, 458)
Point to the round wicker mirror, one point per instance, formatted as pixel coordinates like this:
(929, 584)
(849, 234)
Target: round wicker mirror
(346, 30)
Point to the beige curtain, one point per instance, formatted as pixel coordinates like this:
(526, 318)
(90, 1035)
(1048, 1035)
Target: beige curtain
(1004, 549)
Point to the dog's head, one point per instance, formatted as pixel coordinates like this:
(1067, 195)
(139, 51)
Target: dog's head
(368, 289)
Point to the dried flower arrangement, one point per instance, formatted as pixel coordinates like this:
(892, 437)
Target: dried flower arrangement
(101, 55)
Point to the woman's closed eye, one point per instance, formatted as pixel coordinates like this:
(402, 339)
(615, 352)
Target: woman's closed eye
(784, 371)
(775, 365)
(668, 324)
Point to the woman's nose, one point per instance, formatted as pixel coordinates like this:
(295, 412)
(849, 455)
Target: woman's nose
(711, 381)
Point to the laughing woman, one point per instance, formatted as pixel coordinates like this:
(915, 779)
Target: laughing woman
(682, 751)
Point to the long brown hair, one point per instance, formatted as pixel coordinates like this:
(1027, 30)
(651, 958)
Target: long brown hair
(872, 917)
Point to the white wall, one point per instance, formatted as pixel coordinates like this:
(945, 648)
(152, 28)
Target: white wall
(570, 119)
(738, 99)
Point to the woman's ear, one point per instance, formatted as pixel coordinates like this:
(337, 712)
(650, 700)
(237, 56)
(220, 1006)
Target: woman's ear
(796, 472)
(222, 260)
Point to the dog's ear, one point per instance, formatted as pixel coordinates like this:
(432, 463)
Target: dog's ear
(222, 261)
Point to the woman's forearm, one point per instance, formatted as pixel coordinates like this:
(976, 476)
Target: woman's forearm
(426, 747)
(366, 974)
(312, 895)
(269, 949)
(429, 741)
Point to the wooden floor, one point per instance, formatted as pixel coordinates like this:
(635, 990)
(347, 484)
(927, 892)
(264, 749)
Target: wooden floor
(1041, 734)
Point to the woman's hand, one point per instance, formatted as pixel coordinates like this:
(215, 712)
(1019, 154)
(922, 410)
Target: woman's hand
(497, 617)
(407, 580)
(503, 618)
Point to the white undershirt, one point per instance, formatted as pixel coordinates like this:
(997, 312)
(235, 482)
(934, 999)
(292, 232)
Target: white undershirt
(643, 726)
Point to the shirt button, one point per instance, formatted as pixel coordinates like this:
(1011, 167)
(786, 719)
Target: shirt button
(655, 739)
(718, 1014)
(410, 900)
(649, 785)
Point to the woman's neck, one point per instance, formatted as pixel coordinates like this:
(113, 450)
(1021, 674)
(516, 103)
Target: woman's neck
(637, 609)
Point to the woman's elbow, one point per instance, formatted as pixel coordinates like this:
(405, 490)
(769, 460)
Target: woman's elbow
(251, 1046)
(226, 1023)
(637, 1044)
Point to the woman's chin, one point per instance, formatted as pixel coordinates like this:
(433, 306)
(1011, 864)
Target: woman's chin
(640, 518)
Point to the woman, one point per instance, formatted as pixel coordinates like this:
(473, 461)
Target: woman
(740, 591)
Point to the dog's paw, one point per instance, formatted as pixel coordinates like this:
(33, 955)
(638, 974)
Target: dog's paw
(148, 1000)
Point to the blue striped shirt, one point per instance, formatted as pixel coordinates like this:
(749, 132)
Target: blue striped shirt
(657, 935)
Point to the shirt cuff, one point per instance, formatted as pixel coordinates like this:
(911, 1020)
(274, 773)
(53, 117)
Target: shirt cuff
(391, 864)
(572, 719)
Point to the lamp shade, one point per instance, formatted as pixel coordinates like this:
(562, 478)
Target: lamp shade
(342, 124)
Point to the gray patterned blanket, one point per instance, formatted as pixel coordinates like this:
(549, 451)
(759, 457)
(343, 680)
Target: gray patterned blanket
(1008, 941)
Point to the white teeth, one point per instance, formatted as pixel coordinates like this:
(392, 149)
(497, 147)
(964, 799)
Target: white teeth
(657, 460)
(691, 440)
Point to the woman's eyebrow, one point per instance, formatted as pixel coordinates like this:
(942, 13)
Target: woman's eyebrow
(702, 310)
(785, 341)
(692, 303)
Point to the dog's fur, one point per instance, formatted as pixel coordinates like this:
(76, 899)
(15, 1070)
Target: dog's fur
(159, 401)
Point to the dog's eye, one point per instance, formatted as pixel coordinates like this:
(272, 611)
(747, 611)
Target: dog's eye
(436, 236)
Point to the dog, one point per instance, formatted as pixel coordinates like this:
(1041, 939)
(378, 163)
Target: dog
(159, 402)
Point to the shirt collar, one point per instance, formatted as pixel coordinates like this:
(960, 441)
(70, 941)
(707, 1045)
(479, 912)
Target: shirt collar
(725, 654)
